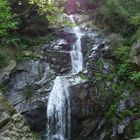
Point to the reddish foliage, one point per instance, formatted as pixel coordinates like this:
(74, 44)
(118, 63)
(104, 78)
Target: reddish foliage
(85, 5)
(71, 7)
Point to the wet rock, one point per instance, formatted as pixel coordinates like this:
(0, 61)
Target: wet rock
(60, 61)
(62, 44)
(59, 45)
(57, 54)
(86, 43)
(67, 35)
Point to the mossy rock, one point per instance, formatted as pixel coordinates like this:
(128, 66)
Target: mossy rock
(4, 104)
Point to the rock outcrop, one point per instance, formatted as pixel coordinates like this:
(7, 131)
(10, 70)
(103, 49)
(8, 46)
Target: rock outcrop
(5, 72)
(12, 125)
(94, 113)
(27, 91)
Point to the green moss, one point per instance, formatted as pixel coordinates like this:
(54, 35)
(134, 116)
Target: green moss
(126, 113)
(28, 92)
(137, 129)
(6, 105)
(2, 87)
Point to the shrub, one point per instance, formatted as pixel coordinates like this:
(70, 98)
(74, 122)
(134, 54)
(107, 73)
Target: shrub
(135, 77)
(137, 129)
(6, 19)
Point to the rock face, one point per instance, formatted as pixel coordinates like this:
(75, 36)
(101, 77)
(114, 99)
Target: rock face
(57, 54)
(12, 125)
(5, 73)
(91, 96)
(135, 54)
(30, 83)
(32, 80)
(28, 89)
(91, 100)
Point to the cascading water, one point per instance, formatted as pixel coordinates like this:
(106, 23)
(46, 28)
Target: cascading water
(76, 53)
(58, 110)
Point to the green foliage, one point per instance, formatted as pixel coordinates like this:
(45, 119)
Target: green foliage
(110, 114)
(41, 40)
(137, 129)
(115, 40)
(121, 20)
(126, 113)
(121, 16)
(122, 53)
(52, 10)
(125, 68)
(6, 19)
(127, 9)
(14, 46)
(26, 12)
(135, 77)
(83, 76)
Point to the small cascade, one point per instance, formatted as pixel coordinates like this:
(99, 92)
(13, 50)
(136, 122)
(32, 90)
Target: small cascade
(76, 53)
(58, 110)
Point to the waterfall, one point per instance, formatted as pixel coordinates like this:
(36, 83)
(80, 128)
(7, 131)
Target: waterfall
(76, 53)
(58, 110)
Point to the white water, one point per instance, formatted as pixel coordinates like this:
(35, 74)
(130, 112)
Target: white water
(58, 110)
(76, 53)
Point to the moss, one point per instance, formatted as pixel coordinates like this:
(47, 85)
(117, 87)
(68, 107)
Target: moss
(28, 92)
(2, 87)
(127, 112)
(6, 105)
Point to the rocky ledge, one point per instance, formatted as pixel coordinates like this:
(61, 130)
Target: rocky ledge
(13, 126)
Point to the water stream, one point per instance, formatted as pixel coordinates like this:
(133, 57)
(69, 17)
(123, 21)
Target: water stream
(76, 53)
(58, 110)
